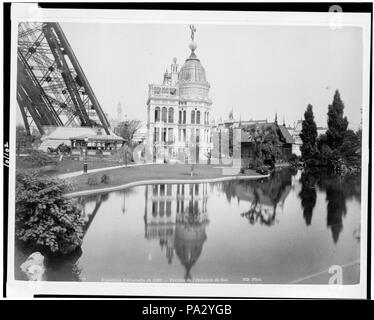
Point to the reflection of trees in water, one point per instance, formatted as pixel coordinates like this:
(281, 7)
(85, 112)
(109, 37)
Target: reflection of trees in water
(308, 195)
(264, 195)
(257, 213)
(337, 190)
(64, 267)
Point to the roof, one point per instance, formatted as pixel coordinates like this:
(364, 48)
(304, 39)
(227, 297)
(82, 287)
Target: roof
(286, 134)
(247, 135)
(95, 137)
(247, 130)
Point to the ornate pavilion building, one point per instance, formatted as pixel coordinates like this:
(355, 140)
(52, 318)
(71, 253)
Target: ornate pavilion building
(178, 110)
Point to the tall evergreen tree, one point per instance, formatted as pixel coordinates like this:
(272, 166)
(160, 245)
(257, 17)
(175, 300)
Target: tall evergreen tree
(309, 135)
(336, 122)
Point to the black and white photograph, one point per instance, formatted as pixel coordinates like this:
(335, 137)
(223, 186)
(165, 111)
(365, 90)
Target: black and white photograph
(188, 153)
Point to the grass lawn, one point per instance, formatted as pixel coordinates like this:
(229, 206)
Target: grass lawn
(149, 172)
(66, 165)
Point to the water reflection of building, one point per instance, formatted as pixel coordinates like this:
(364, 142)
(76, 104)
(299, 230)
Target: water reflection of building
(176, 215)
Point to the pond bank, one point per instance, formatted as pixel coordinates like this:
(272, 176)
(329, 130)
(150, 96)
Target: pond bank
(138, 175)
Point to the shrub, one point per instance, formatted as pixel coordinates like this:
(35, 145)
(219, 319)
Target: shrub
(263, 170)
(105, 179)
(93, 180)
(45, 219)
(37, 159)
(293, 158)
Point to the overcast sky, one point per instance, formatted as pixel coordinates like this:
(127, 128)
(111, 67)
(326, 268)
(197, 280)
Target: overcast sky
(254, 70)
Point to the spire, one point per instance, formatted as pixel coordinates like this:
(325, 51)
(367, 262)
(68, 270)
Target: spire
(193, 44)
(119, 112)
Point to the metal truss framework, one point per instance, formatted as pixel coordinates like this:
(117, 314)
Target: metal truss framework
(52, 89)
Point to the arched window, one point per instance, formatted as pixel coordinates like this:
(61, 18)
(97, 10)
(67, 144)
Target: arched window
(184, 117)
(171, 115)
(193, 116)
(207, 118)
(180, 116)
(198, 117)
(164, 114)
(157, 114)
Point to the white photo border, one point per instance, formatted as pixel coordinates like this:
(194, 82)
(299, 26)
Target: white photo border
(31, 12)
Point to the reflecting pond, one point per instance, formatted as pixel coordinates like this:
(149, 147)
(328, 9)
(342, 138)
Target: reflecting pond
(290, 228)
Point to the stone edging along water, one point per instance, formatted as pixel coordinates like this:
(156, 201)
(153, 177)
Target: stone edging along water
(145, 182)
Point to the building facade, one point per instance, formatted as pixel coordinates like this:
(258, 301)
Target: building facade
(178, 110)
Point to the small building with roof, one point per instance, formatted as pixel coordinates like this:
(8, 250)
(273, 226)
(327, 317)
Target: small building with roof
(277, 137)
(97, 142)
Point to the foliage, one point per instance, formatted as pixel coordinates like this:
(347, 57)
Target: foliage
(294, 158)
(339, 150)
(269, 145)
(23, 140)
(308, 135)
(37, 159)
(337, 124)
(350, 149)
(263, 169)
(127, 130)
(105, 179)
(26, 141)
(92, 180)
(231, 115)
(266, 146)
(124, 154)
(45, 219)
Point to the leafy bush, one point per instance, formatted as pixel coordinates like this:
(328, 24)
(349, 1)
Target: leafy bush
(45, 219)
(37, 159)
(105, 179)
(255, 163)
(93, 180)
(263, 170)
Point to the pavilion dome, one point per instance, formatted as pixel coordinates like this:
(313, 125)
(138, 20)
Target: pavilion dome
(192, 70)
(192, 77)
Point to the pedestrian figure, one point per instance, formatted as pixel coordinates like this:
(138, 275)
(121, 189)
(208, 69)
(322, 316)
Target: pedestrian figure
(192, 169)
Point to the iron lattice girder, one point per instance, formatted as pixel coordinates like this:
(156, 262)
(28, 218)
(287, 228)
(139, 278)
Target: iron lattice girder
(52, 86)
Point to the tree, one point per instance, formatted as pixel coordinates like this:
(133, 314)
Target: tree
(127, 129)
(45, 219)
(309, 135)
(231, 115)
(23, 140)
(124, 154)
(350, 149)
(337, 124)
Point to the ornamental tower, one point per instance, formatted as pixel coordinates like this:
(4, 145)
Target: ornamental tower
(179, 109)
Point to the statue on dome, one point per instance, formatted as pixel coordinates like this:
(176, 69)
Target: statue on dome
(193, 30)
